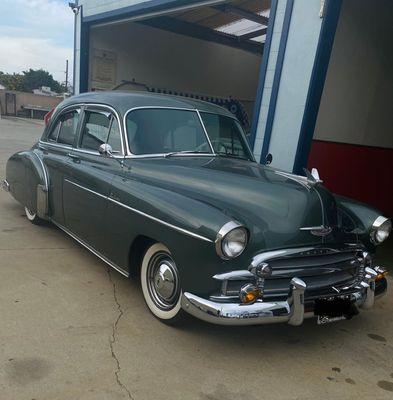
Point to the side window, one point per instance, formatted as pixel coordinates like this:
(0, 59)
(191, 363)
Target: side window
(68, 124)
(100, 127)
(114, 138)
(95, 130)
(52, 137)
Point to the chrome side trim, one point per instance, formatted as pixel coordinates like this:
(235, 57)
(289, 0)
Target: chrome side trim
(238, 275)
(46, 178)
(42, 193)
(320, 231)
(91, 249)
(185, 231)
(43, 143)
(85, 188)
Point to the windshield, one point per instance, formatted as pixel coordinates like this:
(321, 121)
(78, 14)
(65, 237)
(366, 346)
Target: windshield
(162, 131)
(226, 136)
(174, 132)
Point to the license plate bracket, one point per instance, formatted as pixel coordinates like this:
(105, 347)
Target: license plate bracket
(323, 319)
(334, 309)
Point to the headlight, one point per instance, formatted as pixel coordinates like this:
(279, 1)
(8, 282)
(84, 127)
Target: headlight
(380, 230)
(231, 240)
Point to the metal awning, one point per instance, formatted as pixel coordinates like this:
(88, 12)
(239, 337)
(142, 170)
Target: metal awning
(239, 23)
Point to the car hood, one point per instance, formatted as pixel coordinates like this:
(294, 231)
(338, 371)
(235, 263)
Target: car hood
(275, 206)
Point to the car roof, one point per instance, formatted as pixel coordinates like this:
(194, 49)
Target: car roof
(123, 101)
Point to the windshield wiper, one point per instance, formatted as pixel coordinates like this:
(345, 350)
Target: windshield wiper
(175, 153)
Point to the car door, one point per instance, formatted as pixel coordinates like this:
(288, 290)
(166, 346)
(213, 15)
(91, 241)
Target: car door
(86, 190)
(55, 147)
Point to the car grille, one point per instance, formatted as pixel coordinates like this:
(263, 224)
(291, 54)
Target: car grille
(326, 272)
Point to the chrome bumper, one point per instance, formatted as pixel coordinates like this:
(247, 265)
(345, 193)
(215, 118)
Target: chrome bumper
(291, 311)
(5, 185)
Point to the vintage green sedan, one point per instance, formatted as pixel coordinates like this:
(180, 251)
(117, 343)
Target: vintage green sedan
(167, 188)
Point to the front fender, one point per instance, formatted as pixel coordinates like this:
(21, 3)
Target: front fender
(358, 218)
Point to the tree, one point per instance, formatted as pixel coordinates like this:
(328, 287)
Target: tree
(12, 81)
(30, 80)
(34, 79)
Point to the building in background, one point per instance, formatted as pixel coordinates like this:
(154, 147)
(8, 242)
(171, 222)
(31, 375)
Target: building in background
(45, 91)
(314, 78)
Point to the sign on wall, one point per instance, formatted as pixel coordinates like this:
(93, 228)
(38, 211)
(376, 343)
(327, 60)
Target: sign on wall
(103, 70)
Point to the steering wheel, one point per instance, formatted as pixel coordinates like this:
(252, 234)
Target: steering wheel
(217, 144)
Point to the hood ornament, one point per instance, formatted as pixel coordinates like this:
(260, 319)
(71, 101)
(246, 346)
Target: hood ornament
(313, 176)
(318, 230)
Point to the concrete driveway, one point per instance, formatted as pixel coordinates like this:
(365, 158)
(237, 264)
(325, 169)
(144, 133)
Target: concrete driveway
(72, 329)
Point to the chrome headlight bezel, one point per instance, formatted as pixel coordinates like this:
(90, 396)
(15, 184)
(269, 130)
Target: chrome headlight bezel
(223, 235)
(380, 224)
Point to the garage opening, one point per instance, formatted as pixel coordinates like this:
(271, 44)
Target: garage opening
(211, 52)
(353, 139)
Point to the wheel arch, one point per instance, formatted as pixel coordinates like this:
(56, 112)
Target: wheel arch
(137, 250)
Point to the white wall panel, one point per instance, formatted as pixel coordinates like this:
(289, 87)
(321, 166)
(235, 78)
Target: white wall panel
(357, 102)
(167, 60)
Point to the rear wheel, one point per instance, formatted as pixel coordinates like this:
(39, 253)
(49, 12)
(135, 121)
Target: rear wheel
(161, 284)
(32, 217)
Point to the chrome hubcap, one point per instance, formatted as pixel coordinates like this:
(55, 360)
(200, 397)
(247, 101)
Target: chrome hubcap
(163, 281)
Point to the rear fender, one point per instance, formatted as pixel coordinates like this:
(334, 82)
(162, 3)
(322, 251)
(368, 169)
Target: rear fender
(29, 181)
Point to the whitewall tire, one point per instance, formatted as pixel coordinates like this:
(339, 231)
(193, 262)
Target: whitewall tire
(32, 217)
(160, 283)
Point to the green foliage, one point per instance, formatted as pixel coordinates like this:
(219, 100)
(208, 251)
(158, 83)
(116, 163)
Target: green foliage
(29, 80)
(34, 79)
(12, 81)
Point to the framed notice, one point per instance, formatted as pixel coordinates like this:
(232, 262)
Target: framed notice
(103, 70)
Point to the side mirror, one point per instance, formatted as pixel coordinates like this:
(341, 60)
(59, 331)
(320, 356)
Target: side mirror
(268, 159)
(106, 150)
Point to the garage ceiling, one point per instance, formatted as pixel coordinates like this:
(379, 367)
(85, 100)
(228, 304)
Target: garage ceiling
(240, 23)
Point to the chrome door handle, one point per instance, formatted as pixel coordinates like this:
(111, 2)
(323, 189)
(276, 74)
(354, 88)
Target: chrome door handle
(74, 157)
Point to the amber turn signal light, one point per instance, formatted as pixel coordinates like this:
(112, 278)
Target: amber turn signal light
(382, 273)
(249, 293)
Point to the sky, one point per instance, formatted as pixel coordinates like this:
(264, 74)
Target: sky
(36, 34)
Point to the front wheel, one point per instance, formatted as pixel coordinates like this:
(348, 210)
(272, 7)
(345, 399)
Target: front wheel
(32, 217)
(161, 284)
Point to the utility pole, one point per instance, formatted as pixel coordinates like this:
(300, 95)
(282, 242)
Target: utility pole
(66, 76)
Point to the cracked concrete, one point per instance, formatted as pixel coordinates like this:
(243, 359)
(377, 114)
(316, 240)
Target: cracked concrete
(113, 338)
(65, 333)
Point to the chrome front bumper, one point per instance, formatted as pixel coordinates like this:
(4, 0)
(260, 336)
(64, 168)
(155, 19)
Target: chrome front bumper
(5, 185)
(291, 310)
